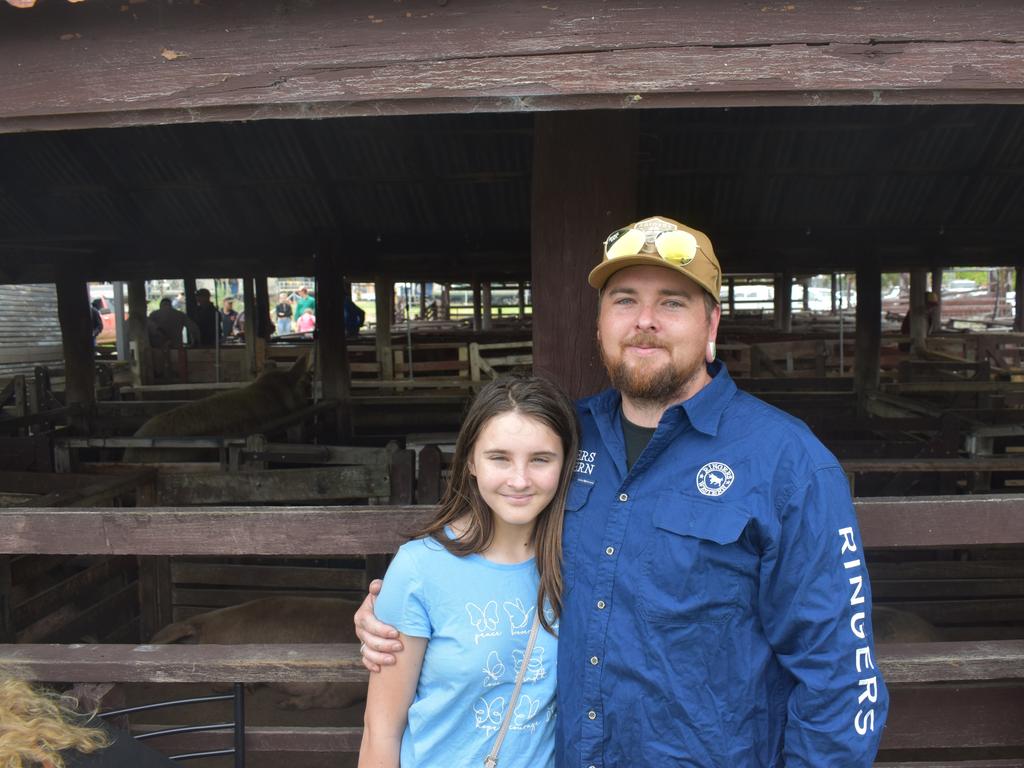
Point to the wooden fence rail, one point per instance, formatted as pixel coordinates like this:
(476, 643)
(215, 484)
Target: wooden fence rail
(934, 684)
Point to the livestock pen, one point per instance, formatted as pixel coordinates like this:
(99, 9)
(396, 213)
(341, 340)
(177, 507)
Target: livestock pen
(954, 703)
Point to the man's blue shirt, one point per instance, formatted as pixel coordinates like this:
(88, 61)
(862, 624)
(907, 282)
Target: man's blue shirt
(717, 607)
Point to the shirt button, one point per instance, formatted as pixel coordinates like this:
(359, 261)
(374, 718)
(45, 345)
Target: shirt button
(610, 551)
(601, 604)
(592, 715)
(593, 660)
(623, 497)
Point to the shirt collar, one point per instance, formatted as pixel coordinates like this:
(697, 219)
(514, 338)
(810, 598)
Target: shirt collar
(704, 410)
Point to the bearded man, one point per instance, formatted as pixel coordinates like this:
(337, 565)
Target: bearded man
(716, 605)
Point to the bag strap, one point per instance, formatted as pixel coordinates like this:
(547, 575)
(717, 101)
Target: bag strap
(491, 761)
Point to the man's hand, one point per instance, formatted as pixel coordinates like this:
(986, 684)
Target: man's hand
(379, 640)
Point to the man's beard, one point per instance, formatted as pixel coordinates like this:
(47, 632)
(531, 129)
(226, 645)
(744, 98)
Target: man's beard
(660, 385)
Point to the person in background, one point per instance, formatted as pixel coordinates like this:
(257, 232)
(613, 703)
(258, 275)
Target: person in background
(228, 318)
(283, 314)
(97, 320)
(354, 318)
(207, 318)
(165, 327)
(306, 322)
(305, 301)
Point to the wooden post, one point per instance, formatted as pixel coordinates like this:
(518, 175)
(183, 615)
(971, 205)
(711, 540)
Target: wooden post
(936, 311)
(581, 192)
(918, 312)
(446, 301)
(1018, 287)
(142, 365)
(332, 346)
(384, 290)
(423, 301)
(79, 355)
(869, 327)
(732, 295)
(249, 369)
(120, 325)
(806, 284)
(428, 481)
(522, 300)
(155, 595)
(835, 292)
(485, 306)
(6, 590)
(477, 304)
(783, 317)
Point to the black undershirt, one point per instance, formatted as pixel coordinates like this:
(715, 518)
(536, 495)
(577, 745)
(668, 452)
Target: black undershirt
(636, 438)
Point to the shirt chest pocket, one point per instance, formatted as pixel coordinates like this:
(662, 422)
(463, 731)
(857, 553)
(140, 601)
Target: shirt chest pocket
(697, 568)
(576, 499)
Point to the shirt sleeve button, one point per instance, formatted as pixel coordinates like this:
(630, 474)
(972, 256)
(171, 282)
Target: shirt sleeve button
(610, 551)
(601, 604)
(623, 497)
(593, 660)
(592, 715)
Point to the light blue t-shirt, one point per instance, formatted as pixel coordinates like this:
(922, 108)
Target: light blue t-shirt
(477, 616)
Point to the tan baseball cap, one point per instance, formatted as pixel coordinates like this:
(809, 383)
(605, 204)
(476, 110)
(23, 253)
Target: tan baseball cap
(661, 242)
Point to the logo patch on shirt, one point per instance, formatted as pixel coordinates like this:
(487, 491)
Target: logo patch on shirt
(714, 478)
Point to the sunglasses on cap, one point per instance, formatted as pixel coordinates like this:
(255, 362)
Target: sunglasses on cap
(675, 246)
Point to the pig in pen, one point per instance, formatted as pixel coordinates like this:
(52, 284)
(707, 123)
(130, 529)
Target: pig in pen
(279, 620)
(245, 411)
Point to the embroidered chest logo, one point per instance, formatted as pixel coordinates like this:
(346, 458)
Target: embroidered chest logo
(585, 462)
(714, 478)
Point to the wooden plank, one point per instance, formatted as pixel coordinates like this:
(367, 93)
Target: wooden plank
(972, 464)
(184, 663)
(209, 598)
(978, 611)
(73, 589)
(951, 662)
(266, 576)
(262, 739)
(1008, 763)
(272, 485)
(941, 521)
(943, 589)
(210, 531)
(489, 57)
(69, 624)
(322, 454)
(901, 663)
(885, 523)
(955, 716)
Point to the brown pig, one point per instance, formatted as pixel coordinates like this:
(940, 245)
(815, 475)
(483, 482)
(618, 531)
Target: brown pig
(893, 625)
(279, 620)
(239, 412)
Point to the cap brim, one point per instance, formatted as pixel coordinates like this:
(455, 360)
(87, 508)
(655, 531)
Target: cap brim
(600, 274)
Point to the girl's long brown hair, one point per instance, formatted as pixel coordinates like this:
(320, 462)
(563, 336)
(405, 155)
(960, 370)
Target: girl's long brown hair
(535, 398)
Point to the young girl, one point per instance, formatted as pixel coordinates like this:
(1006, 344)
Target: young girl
(465, 595)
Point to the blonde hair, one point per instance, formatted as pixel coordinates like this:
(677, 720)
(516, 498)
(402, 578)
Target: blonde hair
(35, 725)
